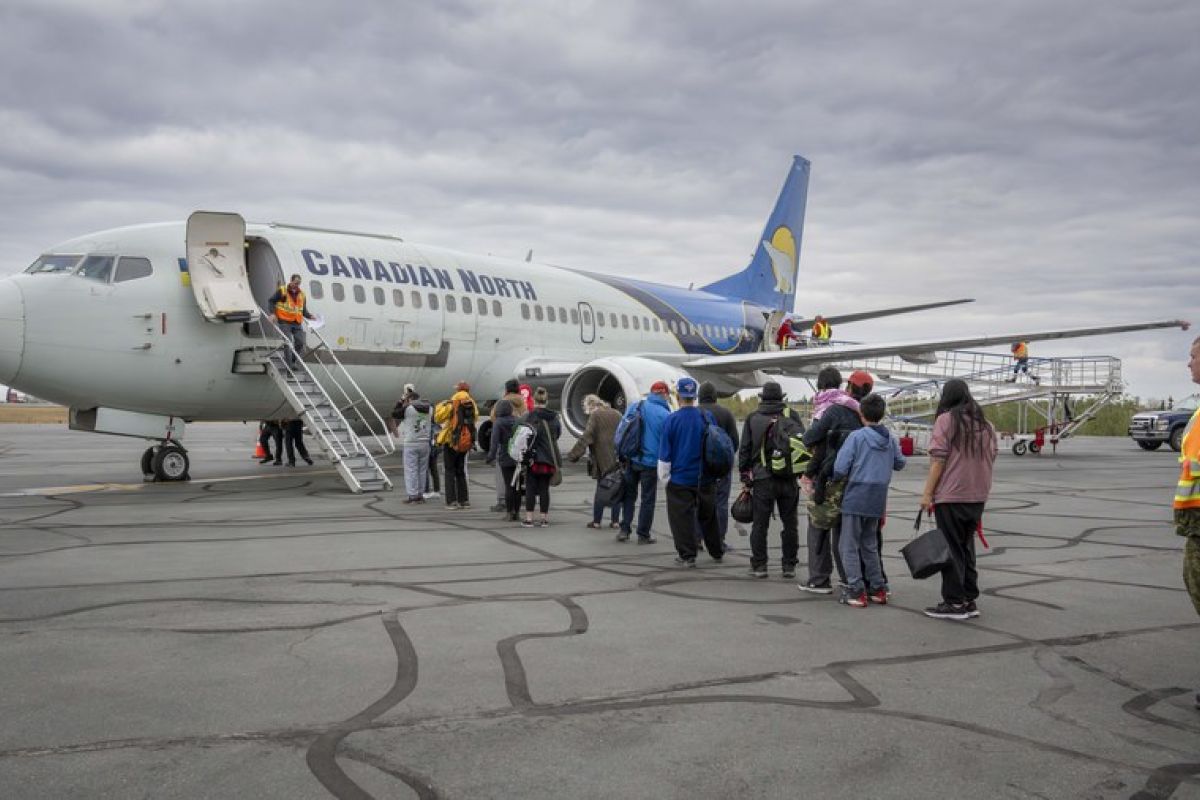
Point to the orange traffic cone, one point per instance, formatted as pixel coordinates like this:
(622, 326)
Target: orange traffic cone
(260, 452)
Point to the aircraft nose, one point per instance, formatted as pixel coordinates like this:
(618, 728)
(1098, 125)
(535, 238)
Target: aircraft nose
(12, 330)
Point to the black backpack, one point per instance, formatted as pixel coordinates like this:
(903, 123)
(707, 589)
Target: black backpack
(783, 452)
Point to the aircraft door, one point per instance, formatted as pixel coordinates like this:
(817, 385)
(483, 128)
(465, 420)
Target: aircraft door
(216, 258)
(587, 323)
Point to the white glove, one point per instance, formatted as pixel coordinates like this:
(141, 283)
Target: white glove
(664, 471)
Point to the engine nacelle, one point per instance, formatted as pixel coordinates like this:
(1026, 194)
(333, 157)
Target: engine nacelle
(618, 381)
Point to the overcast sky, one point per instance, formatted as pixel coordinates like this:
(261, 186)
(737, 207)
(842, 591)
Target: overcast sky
(1042, 157)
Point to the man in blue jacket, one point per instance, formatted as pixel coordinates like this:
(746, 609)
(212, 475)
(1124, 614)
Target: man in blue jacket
(642, 472)
(691, 495)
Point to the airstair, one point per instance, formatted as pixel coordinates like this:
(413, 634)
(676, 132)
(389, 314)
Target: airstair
(1045, 394)
(328, 400)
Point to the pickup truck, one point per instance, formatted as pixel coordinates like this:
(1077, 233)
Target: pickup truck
(1151, 428)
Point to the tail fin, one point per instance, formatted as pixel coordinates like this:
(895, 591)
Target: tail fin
(770, 280)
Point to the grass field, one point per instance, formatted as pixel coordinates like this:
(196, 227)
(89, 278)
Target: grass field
(17, 413)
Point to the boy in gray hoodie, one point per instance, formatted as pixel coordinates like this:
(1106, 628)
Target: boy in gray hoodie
(867, 460)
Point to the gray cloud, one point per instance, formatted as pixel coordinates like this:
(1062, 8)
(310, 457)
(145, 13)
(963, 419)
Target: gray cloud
(1041, 157)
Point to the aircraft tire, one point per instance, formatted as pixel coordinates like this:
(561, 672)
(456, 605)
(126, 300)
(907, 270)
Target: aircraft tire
(148, 461)
(171, 463)
(1018, 448)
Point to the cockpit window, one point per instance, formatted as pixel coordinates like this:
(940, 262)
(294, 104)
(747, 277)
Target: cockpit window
(96, 268)
(53, 264)
(129, 269)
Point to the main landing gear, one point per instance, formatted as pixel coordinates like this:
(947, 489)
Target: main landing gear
(165, 462)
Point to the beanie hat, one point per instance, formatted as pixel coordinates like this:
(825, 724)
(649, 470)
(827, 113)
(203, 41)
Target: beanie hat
(772, 392)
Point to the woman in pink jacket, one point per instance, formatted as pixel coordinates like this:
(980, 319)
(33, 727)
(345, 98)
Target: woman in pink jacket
(961, 453)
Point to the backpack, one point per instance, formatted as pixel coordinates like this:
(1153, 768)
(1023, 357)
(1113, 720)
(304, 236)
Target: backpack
(783, 452)
(628, 438)
(716, 449)
(463, 436)
(520, 442)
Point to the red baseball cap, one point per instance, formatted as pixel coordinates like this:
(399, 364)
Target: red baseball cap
(660, 387)
(860, 377)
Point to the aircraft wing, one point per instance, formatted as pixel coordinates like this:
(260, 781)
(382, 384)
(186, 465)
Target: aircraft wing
(838, 319)
(813, 356)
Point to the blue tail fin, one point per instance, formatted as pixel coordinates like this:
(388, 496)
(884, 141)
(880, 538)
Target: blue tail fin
(770, 280)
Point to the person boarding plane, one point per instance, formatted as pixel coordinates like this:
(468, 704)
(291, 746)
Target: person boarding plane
(139, 330)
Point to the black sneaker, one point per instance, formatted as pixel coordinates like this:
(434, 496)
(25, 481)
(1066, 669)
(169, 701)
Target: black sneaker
(945, 610)
(972, 611)
(644, 539)
(814, 587)
(623, 536)
(789, 573)
(757, 572)
(685, 563)
(497, 507)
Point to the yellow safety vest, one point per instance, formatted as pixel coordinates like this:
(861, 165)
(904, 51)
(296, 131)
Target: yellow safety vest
(1187, 493)
(287, 310)
(821, 330)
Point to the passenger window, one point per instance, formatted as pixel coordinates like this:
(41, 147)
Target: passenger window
(433, 302)
(612, 317)
(671, 325)
(562, 315)
(316, 290)
(551, 314)
(379, 296)
(655, 321)
(587, 317)
(497, 309)
(466, 305)
(360, 294)
(339, 292)
(398, 298)
(574, 316)
(451, 303)
(416, 299)
(539, 313)
(97, 268)
(625, 321)
(524, 310)
(600, 319)
(481, 307)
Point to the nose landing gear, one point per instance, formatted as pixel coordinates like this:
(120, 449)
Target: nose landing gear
(165, 462)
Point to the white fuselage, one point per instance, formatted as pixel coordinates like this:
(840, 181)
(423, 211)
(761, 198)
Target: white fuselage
(393, 312)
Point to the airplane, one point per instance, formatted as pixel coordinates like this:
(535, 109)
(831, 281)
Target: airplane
(140, 330)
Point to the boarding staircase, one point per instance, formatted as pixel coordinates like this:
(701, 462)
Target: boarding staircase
(1045, 393)
(328, 400)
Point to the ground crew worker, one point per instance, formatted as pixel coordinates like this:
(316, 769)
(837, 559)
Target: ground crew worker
(786, 333)
(291, 311)
(1020, 351)
(270, 432)
(1187, 496)
(821, 330)
(293, 441)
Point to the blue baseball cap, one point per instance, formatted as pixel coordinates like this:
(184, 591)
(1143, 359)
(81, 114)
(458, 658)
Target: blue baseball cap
(686, 387)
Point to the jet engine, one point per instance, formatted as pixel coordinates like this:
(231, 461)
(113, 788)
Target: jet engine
(618, 381)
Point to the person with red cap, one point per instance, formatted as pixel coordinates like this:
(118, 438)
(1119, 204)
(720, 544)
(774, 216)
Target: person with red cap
(641, 473)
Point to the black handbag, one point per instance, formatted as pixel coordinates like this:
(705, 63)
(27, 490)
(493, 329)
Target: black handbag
(610, 489)
(927, 554)
(742, 509)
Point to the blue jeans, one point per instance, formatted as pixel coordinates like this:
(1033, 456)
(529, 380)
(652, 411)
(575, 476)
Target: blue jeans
(645, 478)
(860, 553)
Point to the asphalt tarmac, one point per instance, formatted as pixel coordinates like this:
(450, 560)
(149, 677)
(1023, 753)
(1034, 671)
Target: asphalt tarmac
(261, 632)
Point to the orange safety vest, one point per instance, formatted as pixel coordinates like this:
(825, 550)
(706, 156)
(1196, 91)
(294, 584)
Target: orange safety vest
(288, 311)
(1187, 493)
(1021, 350)
(821, 330)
